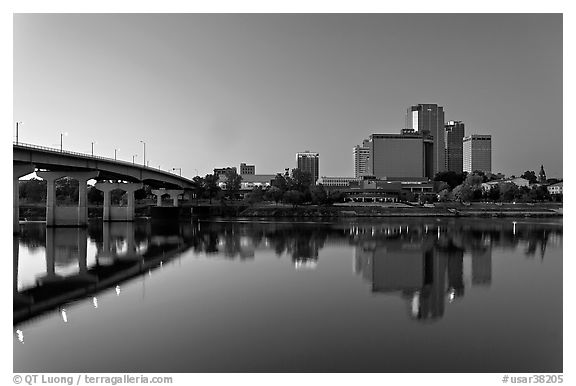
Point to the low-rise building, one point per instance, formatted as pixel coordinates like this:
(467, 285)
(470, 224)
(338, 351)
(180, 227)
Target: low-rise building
(555, 188)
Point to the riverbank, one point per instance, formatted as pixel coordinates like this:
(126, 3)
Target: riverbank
(239, 209)
(401, 210)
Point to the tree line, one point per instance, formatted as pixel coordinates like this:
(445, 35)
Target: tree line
(466, 187)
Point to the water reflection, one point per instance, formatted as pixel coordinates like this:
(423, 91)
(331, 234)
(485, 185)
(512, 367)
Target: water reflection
(119, 251)
(423, 262)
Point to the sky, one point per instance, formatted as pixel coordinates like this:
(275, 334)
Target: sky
(214, 90)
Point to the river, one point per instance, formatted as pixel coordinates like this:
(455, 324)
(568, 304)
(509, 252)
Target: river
(218, 295)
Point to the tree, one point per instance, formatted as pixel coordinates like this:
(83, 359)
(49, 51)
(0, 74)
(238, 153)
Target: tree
(509, 191)
(67, 190)
(539, 193)
(494, 193)
(453, 179)
(294, 197)
(301, 180)
(318, 195)
(198, 185)
(232, 182)
(140, 194)
(95, 196)
(274, 194)
(463, 192)
(444, 195)
(280, 182)
(33, 190)
(530, 175)
(255, 196)
(211, 185)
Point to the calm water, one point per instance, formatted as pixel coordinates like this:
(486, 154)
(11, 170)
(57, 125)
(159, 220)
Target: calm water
(406, 295)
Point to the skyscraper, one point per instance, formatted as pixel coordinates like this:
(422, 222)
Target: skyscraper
(400, 155)
(477, 153)
(309, 162)
(429, 119)
(453, 135)
(361, 156)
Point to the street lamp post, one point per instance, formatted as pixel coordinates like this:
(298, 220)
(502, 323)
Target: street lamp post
(133, 157)
(144, 160)
(179, 169)
(93, 148)
(115, 151)
(17, 124)
(62, 135)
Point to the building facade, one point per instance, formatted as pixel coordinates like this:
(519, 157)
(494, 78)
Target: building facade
(477, 153)
(221, 171)
(401, 155)
(247, 169)
(453, 135)
(361, 157)
(309, 162)
(428, 119)
(337, 181)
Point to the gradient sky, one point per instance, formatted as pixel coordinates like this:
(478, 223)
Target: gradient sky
(208, 91)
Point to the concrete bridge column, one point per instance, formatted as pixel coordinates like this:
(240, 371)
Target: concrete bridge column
(65, 218)
(174, 195)
(19, 171)
(159, 193)
(129, 188)
(50, 178)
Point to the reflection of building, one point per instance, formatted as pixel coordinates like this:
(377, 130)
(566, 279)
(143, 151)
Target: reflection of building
(415, 270)
(361, 157)
(477, 153)
(456, 273)
(482, 267)
(309, 162)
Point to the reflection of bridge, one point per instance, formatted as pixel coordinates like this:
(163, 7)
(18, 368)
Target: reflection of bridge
(118, 258)
(53, 164)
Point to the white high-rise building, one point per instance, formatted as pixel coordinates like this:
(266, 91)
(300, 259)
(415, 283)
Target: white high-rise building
(361, 156)
(477, 153)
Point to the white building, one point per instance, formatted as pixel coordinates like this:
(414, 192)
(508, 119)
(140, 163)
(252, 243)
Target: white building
(337, 181)
(555, 188)
(477, 153)
(361, 155)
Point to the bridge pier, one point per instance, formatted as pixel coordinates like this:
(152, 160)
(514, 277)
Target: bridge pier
(67, 216)
(173, 193)
(19, 171)
(116, 213)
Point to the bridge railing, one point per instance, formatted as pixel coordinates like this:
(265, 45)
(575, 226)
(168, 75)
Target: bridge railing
(90, 156)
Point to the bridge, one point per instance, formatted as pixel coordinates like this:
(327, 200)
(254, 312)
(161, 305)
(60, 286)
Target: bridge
(52, 164)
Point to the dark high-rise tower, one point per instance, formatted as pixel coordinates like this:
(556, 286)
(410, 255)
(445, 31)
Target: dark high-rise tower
(453, 134)
(309, 162)
(429, 118)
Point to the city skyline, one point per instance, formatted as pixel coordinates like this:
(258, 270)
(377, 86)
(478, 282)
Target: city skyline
(258, 88)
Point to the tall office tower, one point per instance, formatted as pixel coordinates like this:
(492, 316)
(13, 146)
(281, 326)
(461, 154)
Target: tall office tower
(453, 134)
(429, 119)
(247, 169)
(309, 162)
(400, 155)
(361, 156)
(477, 153)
